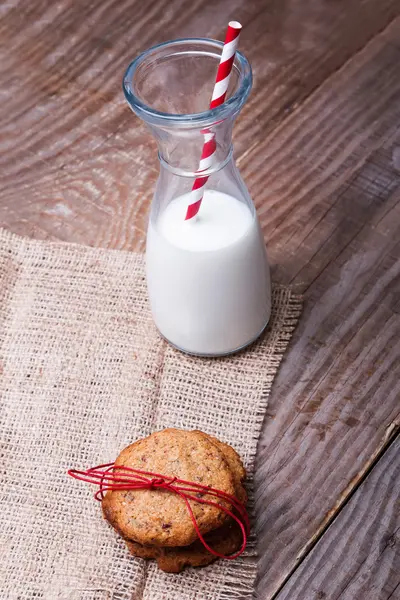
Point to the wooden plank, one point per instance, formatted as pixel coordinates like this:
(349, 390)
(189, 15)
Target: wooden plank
(294, 47)
(301, 175)
(335, 234)
(358, 558)
(75, 163)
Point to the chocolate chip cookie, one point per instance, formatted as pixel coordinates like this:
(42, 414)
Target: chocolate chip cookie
(158, 517)
(235, 464)
(226, 540)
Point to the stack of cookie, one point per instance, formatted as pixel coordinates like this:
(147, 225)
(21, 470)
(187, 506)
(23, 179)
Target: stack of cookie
(155, 523)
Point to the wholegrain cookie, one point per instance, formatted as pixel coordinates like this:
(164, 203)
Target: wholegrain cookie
(158, 517)
(142, 551)
(226, 540)
(235, 464)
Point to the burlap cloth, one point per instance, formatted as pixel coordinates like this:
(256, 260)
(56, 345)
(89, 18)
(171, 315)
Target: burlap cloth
(83, 374)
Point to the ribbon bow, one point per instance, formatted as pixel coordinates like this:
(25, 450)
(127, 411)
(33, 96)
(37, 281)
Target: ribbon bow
(111, 477)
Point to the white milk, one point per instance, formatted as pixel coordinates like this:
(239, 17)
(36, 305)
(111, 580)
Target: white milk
(208, 278)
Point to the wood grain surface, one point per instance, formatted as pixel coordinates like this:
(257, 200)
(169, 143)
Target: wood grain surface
(358, 557)
(318, 144)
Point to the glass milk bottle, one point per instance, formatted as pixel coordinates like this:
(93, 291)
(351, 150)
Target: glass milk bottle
(208, 276)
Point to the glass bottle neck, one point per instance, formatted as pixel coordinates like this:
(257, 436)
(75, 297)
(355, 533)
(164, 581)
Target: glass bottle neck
(216, 166)
(170, 87)
(181, 150)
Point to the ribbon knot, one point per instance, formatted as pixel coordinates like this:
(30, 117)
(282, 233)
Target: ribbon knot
(111, 477)
(154, 483)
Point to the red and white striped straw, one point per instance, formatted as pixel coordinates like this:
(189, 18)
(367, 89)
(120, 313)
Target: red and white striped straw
(218, 97)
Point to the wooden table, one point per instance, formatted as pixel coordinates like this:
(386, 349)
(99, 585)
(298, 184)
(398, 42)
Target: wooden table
(318, 144)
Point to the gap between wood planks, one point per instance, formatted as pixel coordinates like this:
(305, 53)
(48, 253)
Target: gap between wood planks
(393, 430)
(391, 435)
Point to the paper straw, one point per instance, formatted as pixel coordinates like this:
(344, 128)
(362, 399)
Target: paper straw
(218, 97)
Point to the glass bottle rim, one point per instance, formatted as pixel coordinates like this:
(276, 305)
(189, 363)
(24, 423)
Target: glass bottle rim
(208, 117)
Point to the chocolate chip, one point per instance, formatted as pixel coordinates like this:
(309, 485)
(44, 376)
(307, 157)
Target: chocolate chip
(166, 525)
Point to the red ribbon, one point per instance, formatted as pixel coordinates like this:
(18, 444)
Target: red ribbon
(110, 477)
